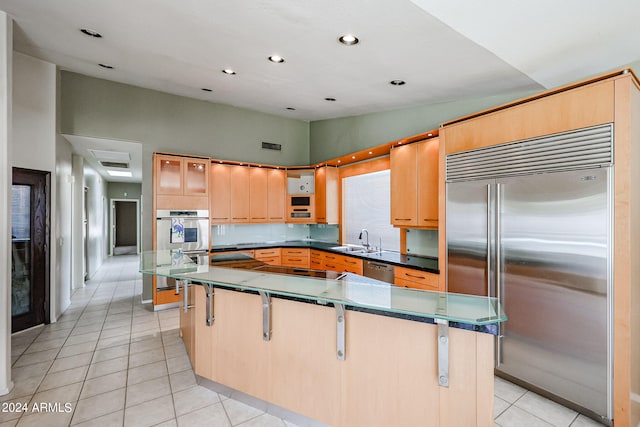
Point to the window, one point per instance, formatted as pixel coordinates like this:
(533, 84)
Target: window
(365, 204)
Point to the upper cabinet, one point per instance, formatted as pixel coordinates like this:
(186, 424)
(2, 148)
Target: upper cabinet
(276, 195)
(428, 183)
(239, 189)
(326, 192)
(404, 186)
(414, 184)
(258, 194)
(220, 200)
(181, 182)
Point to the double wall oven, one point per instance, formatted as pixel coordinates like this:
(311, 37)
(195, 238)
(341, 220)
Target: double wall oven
(180, 233)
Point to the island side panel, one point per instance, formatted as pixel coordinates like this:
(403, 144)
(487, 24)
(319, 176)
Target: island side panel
(485, 384)
(241, 357)
(305, 370)
(205, 336)
(389, 377)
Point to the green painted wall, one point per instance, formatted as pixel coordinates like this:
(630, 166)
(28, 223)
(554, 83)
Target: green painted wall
(117, 190)
(164, 122)
(336, 137)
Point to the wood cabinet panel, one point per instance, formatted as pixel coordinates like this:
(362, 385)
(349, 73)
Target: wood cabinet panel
(167, 297)
(258, 184)
(277, 192)
(327, 183)
(239, 189)
(168, 175)
(416, 278)
(269, 256)
(295, 257)
(220, 199)
(352, 265)
(573, 109)
(195, 177)
(428, 152)
(404, 185)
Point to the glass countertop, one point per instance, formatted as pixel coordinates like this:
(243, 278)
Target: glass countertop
(352, 290)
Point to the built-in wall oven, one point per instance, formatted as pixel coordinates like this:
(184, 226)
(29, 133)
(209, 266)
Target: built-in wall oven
(182, 233)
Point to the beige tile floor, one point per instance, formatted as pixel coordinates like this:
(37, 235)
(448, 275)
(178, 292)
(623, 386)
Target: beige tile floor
(114, 362)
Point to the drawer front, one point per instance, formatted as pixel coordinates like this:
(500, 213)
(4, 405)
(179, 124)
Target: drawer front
(295, 252)
(315, 254)
(295, 261)
(352, 265)
(316, 264)
(418, 277)
(333, 266)
(274, 260)
(267, 253)
(415, 285)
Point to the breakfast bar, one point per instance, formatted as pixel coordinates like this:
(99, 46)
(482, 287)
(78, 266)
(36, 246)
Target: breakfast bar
(343, 352)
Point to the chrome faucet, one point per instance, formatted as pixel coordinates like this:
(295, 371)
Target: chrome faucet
(366, 244)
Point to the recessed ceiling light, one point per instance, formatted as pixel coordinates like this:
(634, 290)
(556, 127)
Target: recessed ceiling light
(330, 99)
(397, 82)
(120, 173)
(206, 89)
(91, 33)
(348, 39)
(291, 109)
(276, 58)
(228, 71)
(107, 66)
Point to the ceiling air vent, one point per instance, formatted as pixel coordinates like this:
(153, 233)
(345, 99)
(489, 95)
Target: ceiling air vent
(107, 164)
(270, 146)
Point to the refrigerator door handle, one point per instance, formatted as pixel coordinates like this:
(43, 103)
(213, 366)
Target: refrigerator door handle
(499, 271)
(488, 240)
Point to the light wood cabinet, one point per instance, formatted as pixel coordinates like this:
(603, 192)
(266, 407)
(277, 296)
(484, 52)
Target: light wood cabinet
(428, 152)
(295, 257)
(404, 186)
(316, 260)
(418, 279)
(271, 256)
(239, 189)
(258, 194)
(341, 263)
(181, 182)
(414, 184)
(187, 325)
(276, 197)
(327, 182)
(220, 198)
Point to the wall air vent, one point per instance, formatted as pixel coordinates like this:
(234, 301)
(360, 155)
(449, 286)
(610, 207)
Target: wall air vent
(107, 164)
(270, 146)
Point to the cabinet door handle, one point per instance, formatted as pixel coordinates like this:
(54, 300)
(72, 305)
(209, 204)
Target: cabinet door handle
(329, 265)
(258, 217)
(220, 217)
(244, 217)
(350, 262)
(295, 259)
(330, 257)
(415, 277)
(402, 219)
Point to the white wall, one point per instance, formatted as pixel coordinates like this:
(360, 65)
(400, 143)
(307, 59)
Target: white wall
(6, 46)
(98, 216)
(37, 145)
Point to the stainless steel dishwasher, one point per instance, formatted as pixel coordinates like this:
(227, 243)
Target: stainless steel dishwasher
(379, 271)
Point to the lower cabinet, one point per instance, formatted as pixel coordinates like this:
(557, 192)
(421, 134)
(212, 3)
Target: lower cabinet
(410, 278)
(269, 256)
(295, 257)
(341, 263)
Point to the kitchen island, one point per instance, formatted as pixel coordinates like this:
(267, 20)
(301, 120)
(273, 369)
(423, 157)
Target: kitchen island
(350, 352)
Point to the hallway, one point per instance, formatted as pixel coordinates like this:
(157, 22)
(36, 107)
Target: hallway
(110, 361)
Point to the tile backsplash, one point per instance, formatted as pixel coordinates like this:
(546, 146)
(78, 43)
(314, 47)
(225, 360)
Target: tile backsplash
(230, 234)
(422, 242)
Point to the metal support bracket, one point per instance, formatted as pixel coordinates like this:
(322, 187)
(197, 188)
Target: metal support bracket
(266, 316)
(210, 314)
(340, 322)
(443, 352)
(185, 295)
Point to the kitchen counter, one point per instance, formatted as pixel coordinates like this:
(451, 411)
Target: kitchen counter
(411, 261)
(309, 345)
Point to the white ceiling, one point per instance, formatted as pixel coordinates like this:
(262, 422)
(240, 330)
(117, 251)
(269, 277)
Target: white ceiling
(444, 50)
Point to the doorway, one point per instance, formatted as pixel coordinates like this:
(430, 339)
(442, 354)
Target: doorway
(125, 226)
(30, 222)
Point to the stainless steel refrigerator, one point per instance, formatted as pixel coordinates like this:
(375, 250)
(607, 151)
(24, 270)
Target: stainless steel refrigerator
(530, 223)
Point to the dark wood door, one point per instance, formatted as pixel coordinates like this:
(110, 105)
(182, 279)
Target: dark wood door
(30, 213)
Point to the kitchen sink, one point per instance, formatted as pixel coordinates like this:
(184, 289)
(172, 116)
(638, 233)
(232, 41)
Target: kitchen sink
(348, 248)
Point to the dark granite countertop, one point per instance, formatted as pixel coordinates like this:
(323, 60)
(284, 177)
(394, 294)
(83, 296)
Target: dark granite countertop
(410, 261)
